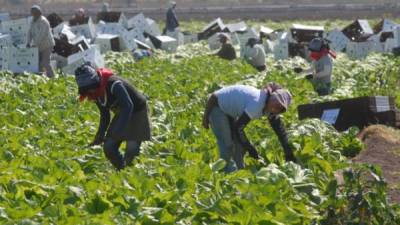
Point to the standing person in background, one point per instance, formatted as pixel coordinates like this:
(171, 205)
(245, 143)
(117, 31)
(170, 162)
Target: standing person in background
(79, 17)
(254, 54)
(320, 73)
(171, 23)
(227, 51)
(40, 36)
(131, 122)
(231, 108)
(105, 7)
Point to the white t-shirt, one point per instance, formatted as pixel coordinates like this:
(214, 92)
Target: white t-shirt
(237, 99)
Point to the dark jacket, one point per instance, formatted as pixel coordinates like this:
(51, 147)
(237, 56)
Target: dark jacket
(227, 52)
(172, 21)
(131, 120)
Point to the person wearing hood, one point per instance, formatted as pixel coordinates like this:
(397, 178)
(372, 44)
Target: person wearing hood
(322, 66)
(231, 108)
(227, 51)
(130, 123)
(40, 36)
(254, 54)
(172, 24)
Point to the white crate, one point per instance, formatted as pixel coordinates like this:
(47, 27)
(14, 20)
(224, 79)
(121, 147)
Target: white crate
(5, 40)
(24, 60)
(358, 50)
(388, 26)
(152, 27)
(17, 29)
(244, 37)
(4, 17)
(138, 22)
(376, 44)
(168, 44)
(104, 41)
(91, 55)
(63, 29)
(88, 30)
(190, 38)
(4, 58)
(213, 42)
(128, 39)
(110, 28)
(338, 40)
(280, 46)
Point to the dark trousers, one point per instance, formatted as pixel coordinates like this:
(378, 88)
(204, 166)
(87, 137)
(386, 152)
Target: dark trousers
(261, 68)
(111, 150)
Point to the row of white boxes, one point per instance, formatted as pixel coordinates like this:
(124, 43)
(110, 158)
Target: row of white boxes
(278, 45)
(103, 36)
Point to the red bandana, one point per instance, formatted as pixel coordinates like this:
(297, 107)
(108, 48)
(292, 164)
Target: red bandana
(104, 74)
(318, 55)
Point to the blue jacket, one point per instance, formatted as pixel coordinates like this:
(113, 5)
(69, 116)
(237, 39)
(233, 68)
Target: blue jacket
(172, 21)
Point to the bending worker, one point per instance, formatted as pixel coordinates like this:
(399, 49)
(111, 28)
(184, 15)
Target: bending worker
(254, 54)
(131, 121)
(231, 108)
(227, 51)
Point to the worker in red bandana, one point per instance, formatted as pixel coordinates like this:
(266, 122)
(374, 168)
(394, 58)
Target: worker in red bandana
(131, 121)
(322, 64)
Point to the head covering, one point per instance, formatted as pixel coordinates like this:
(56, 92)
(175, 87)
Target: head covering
(319, 48)
(81, 11)
(105, 7)
(282, 96)
(36, 7)
(86, 77)
(251, 41)
(172, 3)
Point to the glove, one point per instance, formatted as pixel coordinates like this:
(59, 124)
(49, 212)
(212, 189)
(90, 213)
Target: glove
(253, 153)
(309, 77)
(98, 140)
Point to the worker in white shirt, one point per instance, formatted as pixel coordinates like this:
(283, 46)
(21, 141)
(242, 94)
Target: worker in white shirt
(254, 54)
(40, 36)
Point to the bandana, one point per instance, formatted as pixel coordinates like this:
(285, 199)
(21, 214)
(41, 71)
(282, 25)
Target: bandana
(318, 55)
(104, 75)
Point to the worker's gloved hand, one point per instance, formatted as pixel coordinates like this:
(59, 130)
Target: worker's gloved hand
(253, 153)
(309, 76)
(98, 140)
(298, 69)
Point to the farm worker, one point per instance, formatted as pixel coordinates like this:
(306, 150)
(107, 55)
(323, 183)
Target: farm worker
(227, 51)
(172, 23)
(105, 7)
(131, 121)
(322, 64)
(40, 36)
(231, 108)
(254, 54)
(79, 16)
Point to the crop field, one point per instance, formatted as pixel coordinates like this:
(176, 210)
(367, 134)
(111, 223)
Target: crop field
(48, 175)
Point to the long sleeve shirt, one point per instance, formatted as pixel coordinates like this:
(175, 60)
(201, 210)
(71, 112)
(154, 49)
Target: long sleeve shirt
(255, 55)
(172, 21)
(40, 34)
(323, 69)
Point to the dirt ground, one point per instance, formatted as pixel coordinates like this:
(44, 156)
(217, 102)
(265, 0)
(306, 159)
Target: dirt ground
(383, 149)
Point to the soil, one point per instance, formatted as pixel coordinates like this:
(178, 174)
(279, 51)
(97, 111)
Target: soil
(383, 149)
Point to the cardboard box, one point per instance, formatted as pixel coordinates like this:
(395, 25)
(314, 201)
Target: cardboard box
(17, 29)
(91, 55)
(127, 39)
(165, 43)
(4, 58)
(213, 42)
(279, 47)
(138, 22)
(4, 17)
(304, 34)
(142, 45)
(24, 60)
(87, 30)
(63, 31)
(110, 28)
(338, 41)
(358, 50)
(235, 27)
(211, 29)
(190, 38)
(152, 27)
(66, 48)
(384, 25)
(244, 36)
(343, 114)
(297, 49)
(265, 32)
(358, 31)
(108, 42)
